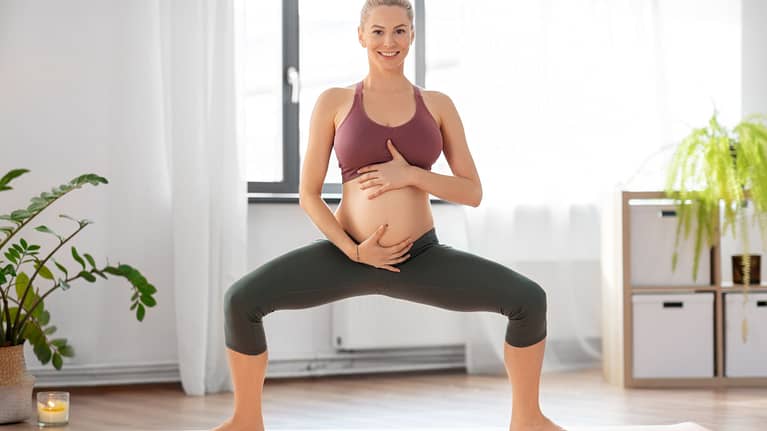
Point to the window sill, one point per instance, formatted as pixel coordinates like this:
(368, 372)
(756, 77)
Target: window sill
(292, 198)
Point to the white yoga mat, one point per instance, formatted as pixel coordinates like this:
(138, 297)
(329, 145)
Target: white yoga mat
(683, 426)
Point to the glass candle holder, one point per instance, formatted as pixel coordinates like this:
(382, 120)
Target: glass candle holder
(52, 408)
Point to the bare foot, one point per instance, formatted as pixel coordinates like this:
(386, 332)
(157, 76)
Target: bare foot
(230, 425)
(545, 425)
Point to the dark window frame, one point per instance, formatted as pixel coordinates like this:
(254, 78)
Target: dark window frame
(287, 189)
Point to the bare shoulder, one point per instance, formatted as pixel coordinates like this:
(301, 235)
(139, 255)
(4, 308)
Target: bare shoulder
(439, 103)
(332, 96)
(438, 98)
(336, 102)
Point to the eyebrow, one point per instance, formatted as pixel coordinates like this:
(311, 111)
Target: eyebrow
(380, 26)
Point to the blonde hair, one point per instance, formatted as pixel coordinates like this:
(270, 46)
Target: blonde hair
(370, 4)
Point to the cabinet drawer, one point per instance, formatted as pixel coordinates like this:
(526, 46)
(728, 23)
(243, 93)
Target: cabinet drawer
(653, 229)
(747, 359)
(673, 335)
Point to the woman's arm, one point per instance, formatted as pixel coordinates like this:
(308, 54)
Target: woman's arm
(464, 187)
(315, 166)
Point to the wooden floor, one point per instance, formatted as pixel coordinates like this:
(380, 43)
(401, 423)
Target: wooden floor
(425, 399)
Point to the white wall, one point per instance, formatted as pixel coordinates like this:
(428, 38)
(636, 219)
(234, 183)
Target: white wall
(64, 112)
(754, 57)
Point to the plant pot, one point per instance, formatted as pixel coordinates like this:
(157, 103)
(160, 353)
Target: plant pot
(15, 385)
(737, 269)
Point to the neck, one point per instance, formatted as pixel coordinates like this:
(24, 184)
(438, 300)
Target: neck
(387, 82)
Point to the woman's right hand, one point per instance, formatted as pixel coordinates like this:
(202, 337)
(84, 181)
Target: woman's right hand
(371, 252)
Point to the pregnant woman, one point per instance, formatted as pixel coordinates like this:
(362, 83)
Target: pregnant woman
(381, 240)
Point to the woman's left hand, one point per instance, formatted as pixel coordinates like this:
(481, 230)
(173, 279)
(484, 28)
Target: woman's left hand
(391, 175)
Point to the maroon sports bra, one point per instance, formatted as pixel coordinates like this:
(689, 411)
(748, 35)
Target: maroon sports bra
(359, 141)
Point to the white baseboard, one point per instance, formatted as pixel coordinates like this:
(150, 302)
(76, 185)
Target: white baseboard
(100, 375)
(341, 363)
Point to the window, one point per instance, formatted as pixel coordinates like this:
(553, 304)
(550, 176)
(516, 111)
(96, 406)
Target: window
(280, 51)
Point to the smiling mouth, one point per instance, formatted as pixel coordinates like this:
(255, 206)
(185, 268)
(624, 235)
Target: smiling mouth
(388, 54)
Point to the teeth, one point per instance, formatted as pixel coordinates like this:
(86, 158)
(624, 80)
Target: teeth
(388, 54)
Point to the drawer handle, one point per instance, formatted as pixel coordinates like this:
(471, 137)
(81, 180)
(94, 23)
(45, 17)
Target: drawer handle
(761, 303)
(668, 213)
(672, 304)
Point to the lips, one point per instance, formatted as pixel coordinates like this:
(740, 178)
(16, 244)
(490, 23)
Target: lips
(383, 54)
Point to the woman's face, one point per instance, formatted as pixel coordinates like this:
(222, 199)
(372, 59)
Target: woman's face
(387, 35)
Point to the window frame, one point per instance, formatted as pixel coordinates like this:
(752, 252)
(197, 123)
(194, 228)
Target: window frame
(287, 189)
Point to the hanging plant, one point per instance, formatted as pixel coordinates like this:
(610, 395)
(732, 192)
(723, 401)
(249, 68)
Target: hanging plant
(714, 166)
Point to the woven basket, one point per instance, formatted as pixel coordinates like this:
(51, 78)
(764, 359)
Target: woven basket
(12, 367)
(15, 385)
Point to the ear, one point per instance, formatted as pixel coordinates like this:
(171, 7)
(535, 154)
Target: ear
(359, 36)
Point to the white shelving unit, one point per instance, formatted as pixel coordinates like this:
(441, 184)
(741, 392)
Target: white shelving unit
(665, 329)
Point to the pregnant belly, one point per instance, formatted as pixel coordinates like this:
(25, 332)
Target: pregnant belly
(406, 210)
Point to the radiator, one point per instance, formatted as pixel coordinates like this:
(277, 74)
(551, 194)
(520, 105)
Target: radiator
(380, 322)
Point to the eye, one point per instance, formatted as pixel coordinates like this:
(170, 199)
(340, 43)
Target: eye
(401, 31)
(376, 31)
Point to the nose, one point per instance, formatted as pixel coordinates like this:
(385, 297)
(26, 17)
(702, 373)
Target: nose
(389, 40)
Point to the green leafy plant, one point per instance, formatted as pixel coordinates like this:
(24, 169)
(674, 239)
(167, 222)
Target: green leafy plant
(712, 165)
(22, 314)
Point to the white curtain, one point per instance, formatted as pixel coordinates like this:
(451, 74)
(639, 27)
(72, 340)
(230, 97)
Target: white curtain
(567, 100)
(195, 72)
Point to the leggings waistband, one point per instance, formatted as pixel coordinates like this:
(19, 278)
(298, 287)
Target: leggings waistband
(428, 239)
(424, 241)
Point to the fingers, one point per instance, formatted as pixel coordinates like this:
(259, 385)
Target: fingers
(401, 251)
(378, 192)
(395, 251)
(381, 229)
(370, 175)
(398, 260)
(394, 262)
(397, 248)
(390, 268)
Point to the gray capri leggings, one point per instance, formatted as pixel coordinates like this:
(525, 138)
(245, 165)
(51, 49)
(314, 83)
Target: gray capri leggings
(435, 274)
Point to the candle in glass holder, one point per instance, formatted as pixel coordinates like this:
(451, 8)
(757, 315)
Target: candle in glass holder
(52, 408)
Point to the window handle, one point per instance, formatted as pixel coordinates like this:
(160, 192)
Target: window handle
(295, 84)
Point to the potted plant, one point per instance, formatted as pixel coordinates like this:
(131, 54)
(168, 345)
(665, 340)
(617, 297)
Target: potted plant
(23, 273)
(712, 165)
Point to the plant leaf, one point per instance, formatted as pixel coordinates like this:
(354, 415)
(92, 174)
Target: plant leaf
(33, 333)
(61, 267)
(57, 361)
(90, 260)
(77, 257)
(43, 352)
(10, 175)
(148, 301)
(70, 218)
(44, 271)
(112, 270)
(88, 276)
(46, 229)
(67, 351)
(22, 280)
